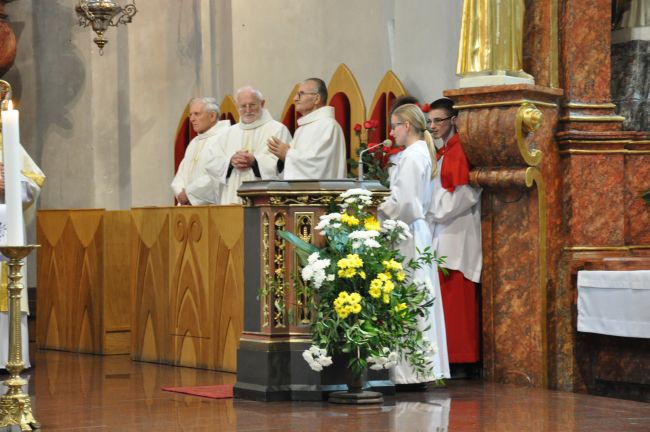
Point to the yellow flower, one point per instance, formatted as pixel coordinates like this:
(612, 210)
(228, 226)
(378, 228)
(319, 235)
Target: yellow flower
(354, 261)
(349, 220)
(376, 283)
(392, 265)
(400, 309)
(362, 274)
(372, 224)
(375, 292)
(345, 304)
(388, 286)
(384, 276)
(343, 263)
(386, 299)
(356, 308)
(355, 297)
(400, 276)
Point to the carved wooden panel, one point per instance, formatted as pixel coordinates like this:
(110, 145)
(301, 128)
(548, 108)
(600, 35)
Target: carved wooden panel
(150, 284)
(83, 295)
(227, 283)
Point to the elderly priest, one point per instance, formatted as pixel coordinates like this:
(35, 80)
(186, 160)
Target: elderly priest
(241, 153)
(318, 147)
(192, 185)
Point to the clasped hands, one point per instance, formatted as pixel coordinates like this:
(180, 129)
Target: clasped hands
(277, 147)
(242, 160)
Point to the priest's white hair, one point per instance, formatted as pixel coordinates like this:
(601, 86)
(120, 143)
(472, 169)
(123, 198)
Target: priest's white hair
(210, 104)
(250, 89)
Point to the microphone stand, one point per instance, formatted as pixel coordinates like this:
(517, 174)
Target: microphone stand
(360, 167)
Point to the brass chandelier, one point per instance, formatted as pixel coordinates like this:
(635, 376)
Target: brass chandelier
(100, 14)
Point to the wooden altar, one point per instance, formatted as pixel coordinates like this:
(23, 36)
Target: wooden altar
(163, 284)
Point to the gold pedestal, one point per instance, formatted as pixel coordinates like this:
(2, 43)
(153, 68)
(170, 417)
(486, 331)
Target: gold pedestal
(15, 406)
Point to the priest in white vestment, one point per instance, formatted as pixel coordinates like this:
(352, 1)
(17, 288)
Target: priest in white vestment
(241, 153)
(192, 185)
(32, 180)
(317, 150)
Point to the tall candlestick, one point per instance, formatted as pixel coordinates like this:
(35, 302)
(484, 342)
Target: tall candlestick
(13, 187)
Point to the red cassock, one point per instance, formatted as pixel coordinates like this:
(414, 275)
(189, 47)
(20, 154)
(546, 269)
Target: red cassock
(459, 294)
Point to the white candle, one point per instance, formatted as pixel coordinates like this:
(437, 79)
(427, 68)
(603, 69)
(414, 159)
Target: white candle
(12, 166)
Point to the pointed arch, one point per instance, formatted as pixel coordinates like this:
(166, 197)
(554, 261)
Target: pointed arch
(389, 89)
(289, 115)
(345, 96)
(228, 109)
(184, 134)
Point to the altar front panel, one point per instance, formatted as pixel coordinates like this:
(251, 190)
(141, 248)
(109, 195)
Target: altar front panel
(187, 280)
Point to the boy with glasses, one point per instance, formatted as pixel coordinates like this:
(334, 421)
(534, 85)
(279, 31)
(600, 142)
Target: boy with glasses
(456, 216)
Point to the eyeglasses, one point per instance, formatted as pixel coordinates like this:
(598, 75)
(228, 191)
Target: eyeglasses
(248, 106)
(393, 126)
(437, 120)
(300, 94)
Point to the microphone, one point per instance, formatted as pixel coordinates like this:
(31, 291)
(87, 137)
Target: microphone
(360, 167)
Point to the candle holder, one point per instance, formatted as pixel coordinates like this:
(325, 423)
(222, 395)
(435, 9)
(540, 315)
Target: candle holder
(16, 406)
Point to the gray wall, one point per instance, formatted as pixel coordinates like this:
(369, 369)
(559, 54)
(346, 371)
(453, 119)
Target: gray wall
(102, 127)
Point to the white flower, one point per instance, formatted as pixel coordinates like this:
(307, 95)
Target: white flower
(356, 192)
(386, 361)
(316, 358)
(327, 221)
(372, 243)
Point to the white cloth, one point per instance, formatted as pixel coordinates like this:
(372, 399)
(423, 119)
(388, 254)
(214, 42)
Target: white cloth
(614, 303)
(191, 175)
(251, 137)
(455, 218)
(32, 180)
(317, 149)
(410, 197)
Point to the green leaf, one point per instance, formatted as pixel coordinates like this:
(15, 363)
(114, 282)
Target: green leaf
(303, 249)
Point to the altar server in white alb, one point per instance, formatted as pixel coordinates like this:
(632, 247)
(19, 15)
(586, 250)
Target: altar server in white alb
(409, 200)
(241, 153)
(317, 150)
(32, 180)
(192, 185)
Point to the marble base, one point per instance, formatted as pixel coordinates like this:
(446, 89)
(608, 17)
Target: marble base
(493, 80)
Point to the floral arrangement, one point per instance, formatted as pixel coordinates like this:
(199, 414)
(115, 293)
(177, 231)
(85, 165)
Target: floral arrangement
(376, 161)
(363, 299)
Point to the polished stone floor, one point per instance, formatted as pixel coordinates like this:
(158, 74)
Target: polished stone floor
(73, 392)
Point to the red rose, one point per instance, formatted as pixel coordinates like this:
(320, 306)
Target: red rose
(357, 128)
(367, 124)
(426, 108)
(373, 147)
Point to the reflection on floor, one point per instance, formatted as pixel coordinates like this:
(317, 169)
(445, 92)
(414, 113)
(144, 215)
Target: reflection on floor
(74, 392)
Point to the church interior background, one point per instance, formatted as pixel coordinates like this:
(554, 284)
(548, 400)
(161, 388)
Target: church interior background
(559, 197)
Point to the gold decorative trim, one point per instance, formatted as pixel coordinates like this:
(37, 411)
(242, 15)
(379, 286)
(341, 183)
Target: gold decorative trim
(555, 43)
(534, 177)
(267, 265)
(303, 226)
(597, 119)
(604, 151)
(506, 103)
(284, 340)
(528, 120)
(300, 199)
(588, 105)
(36, 178)
(605, 248)
(278, 304)
(595, 142)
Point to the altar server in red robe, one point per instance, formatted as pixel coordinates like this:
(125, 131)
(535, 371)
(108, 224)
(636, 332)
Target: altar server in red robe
(455, 214)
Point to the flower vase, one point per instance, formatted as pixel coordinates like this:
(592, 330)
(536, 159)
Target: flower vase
(356, 395)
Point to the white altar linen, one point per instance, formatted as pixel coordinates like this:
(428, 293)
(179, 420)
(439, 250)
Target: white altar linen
(615, 303)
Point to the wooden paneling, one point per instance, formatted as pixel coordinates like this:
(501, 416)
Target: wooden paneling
(83, 299)
(187, 281)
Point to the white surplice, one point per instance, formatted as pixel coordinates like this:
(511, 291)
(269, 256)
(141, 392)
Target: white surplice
(191, 174)
(318, 148)
(32, 179)
(245, 136)
(410, 197)
(456, 222)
